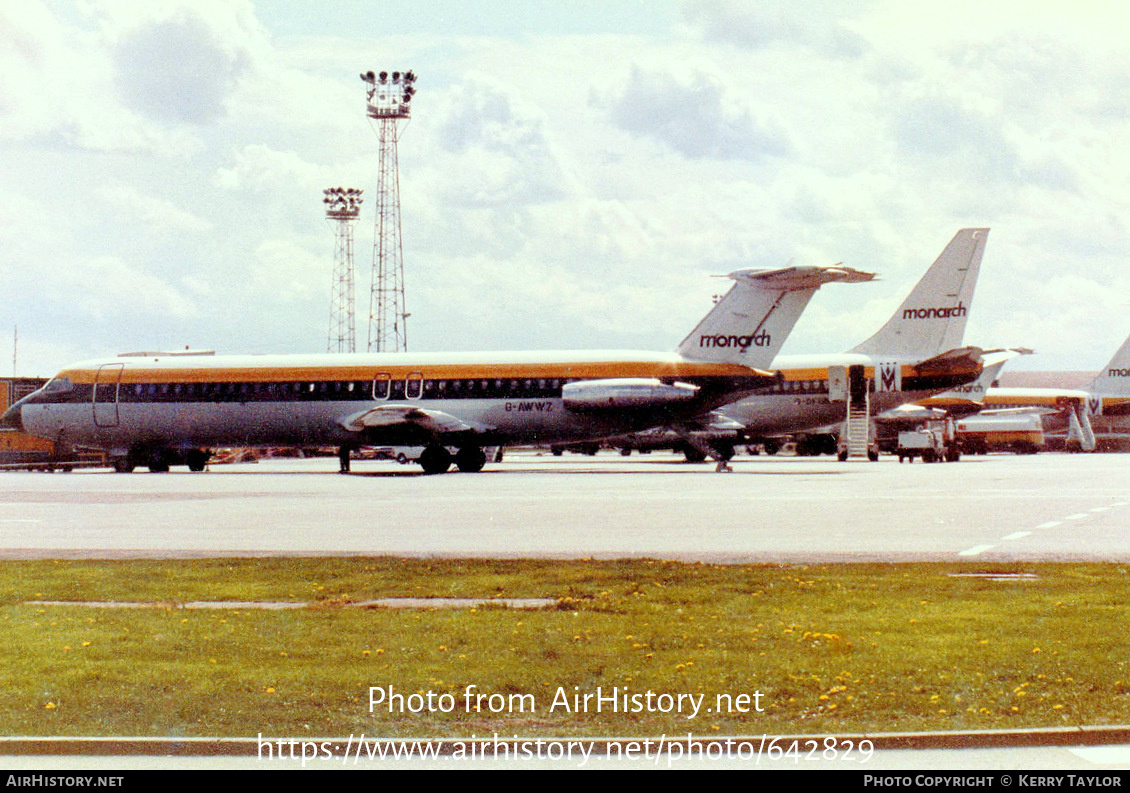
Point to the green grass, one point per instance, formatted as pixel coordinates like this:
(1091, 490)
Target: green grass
(832, 649)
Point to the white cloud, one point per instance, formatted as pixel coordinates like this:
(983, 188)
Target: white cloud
(184, 67)
(692, 116)
(259, 168)
(812, 24)
(107, 289)
(151, 210)
(560, 189)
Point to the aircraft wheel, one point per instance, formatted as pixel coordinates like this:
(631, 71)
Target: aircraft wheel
(197, 459)
(435, 460)
(692, 454)
(724, 452)
(122, 465)
(470, 459)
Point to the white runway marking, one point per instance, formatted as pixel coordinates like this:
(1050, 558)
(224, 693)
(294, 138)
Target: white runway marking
(976, 549)
(1051, 524)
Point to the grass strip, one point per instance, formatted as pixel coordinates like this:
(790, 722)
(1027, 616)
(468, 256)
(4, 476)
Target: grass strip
(628, 650)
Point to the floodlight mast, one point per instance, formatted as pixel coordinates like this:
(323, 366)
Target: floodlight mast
(343, 205)
(389, 103)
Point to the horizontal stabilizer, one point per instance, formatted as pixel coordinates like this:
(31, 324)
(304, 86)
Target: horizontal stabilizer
(971, 396)
(791, 279)
(963, 359)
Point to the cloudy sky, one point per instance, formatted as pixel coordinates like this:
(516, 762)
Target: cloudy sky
(573, 174)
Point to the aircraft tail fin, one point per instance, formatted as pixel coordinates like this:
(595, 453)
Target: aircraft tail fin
(751, 322)
(932, 318)
(1114, 379)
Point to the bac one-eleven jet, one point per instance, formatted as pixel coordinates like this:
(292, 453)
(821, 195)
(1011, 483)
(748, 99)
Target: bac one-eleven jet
(159, 409)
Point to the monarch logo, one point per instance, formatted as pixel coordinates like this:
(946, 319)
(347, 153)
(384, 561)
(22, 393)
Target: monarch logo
(890, 377)
(759, 339)
(935, 313)
(1095, 405)
(1118, 372)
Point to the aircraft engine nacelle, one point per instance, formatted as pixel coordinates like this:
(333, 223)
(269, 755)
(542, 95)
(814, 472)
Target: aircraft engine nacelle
(628, 392)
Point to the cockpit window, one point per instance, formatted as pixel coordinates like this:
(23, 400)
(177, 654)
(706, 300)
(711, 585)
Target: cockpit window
(58, 385)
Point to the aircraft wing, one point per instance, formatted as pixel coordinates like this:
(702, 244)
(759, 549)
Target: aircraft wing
(406, 420)
(712, 422)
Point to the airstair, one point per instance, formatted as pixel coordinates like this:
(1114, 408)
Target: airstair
(1079, 428)
(855, 437)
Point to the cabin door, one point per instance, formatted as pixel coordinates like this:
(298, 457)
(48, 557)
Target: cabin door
(107, 383)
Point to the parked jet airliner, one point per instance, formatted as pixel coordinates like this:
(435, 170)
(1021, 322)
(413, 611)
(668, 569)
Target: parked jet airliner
(918, 352)
(1098, 415)
(156, 409)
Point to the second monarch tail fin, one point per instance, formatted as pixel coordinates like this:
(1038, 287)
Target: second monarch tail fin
(932, 318)
(1114, 379)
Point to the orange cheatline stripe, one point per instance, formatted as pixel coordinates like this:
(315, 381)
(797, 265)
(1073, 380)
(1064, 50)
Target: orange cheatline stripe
(600, 369)
(133, 373)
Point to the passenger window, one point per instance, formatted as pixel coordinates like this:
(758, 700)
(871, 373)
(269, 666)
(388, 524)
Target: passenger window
(413, 385)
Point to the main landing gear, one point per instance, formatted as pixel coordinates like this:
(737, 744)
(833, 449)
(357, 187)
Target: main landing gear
(437, 459)
(158, 460)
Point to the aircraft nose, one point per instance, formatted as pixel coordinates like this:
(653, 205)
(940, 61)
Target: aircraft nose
(13, 418)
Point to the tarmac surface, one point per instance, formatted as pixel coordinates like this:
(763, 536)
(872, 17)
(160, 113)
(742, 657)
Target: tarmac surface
(1047, 507)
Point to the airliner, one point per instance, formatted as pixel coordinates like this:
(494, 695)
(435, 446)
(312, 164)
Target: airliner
(158, 409)
(1096, 415)
(918, 352)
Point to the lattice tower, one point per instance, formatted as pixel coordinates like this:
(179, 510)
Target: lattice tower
(389, 97)
(343, 207)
